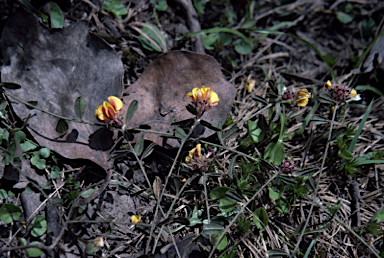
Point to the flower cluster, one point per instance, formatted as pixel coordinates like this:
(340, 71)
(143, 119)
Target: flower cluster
(300, 97)
(341, 92)
(203, 99)
(198, 160)
(287, 166)
(109, 111)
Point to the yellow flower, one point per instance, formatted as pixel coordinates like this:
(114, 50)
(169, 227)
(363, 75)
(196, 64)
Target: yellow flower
(109, 110)
(250, 85)
(328, 84)
(353, 93)
(195, 152)
(302, 102)
(302, 97)
(136, 219)
(204, 95)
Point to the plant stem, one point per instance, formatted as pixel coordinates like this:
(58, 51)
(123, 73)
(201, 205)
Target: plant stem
(318, 182)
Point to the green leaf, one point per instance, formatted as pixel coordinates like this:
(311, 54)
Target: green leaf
(273, 194)
(283, 206)
(223, 242)
(34, 252)
(276, 253)
(219, 192)
(33, 103)
(199, 6)
(260, 218)
(209, 40)
(179, 133)
(344, 154)
(9, 213)
(153, 33)
(191, 109)
(20, 136)
(39, 226)
(208, 125)
(131, 110)
(325, 98)
(87, 193)
(148, 150)
(55, 170)
(10, 85)
(57, 18)
(226, 205)
(3, 194)
(37, 162)
(90, 248)
(4, 135)
(275, 153)
(45, 152)
(160, 5)
(361, 125)
(319, 120)
(379, 215)
(255, 133)
(115, 7)
(242, 47)
(62, 126)
(80, 107)
(28, 145)
(371, 88)
(212, 228)
(139, 146)
(306, 172)
(231, 165)
(343, 17)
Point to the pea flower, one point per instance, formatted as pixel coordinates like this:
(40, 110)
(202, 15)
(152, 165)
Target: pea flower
(203, 99)
(136, 219)
(198, 160)
(250, 84)
(300, 97)
(342, 93)
(108, 112)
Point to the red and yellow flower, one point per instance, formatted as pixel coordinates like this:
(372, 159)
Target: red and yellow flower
(203, 99)
(109, 110)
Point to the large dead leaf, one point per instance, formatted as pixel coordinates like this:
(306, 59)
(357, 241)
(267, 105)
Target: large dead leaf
(54, 68)
(162, 92)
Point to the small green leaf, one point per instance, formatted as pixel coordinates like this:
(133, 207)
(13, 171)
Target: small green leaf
(45, 152)
(87, 193)
(319, 120)
(325, 98)
(33, 103)
(10, 85)
(242, 47)
(208, 125)
(212, 228)
(3, 194)
(379, 215)
(39, 226)
(219, 192)
(34, 252)
(9, 213)
(160, 5)
(191, 109)
(131, 111)
(344, 154)
(179, 133)
(37, 162)
(153, 33)
(273, 194)
(115, 7)
(231, 165)
(28, 145)
(20, 136)
(226, 205)
(283, 206)
(276, 253)
(255, 133)
(223, 242)
(260, 218)
(57, 18)
(55, 172)
(199, 6)
(80, 107)
(344, 18)
(139, 145)
(209, 40)
(148, 150)
(62, 126)
(4, 135)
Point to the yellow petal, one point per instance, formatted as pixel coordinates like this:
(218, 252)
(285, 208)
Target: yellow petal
(116, 103)
(328, 84)
(353, 93)
(214, 98)
(99, 114)
(302, 102)
(250, 85)
(187, 159)
(198, 147)
(304, 93)
(194, 93)
(107, 106)
(136, 219)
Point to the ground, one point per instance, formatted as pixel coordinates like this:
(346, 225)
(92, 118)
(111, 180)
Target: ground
(283, 179)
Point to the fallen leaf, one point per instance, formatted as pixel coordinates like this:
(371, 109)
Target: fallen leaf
(162, 89)
(54, 68)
